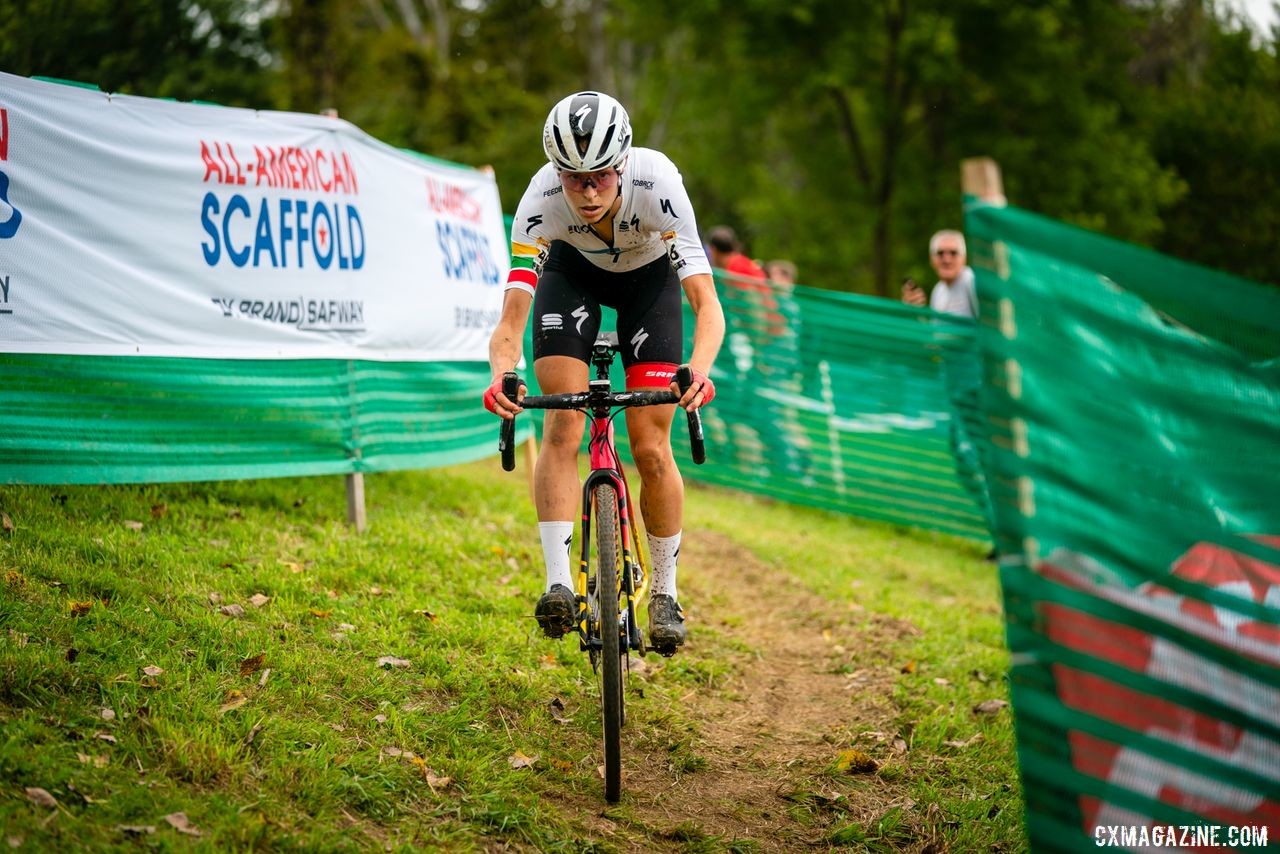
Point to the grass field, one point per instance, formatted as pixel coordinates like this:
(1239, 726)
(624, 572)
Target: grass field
(228, 664)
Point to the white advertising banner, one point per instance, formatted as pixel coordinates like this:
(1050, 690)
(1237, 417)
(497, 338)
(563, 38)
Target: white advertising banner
(136, 226)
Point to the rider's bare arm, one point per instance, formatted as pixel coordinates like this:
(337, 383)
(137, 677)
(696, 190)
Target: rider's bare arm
(708, 328)
(507, 342)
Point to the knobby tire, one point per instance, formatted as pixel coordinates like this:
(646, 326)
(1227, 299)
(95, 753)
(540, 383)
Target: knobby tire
(608, 561)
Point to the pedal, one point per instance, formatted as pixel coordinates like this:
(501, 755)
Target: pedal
(666, 651)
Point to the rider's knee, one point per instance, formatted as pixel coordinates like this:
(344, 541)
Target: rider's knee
(562, 432)
(653, 459)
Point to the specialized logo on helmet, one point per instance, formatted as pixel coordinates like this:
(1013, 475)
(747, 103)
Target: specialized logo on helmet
(578, 121)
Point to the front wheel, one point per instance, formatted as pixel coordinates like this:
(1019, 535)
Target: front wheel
(608, 562)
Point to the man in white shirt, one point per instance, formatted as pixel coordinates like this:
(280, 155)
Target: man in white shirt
(955, 294)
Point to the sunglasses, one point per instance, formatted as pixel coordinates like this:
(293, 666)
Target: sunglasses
(946, 252)
(579, 181)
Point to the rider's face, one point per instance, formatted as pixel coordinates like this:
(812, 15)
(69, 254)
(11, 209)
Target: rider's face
(591, 194)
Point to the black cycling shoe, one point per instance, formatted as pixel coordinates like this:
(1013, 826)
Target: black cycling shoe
(666, 624)
(555, 611)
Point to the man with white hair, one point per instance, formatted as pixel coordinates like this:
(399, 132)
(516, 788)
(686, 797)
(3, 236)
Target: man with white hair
(956, 295)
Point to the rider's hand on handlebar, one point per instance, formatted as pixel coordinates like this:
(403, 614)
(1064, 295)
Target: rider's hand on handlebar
(499, 404)
(701, 391)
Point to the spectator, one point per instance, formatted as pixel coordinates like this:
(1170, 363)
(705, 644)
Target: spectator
(955, 294)
(726, 253)
(781, 272)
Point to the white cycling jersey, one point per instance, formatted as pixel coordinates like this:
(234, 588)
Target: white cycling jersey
(655, 218)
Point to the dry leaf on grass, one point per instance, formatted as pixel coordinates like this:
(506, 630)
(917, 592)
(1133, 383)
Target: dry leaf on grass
(519, 760)
(234, 700)
(107, 714)
(158, 510)
(257, 600)
(425, 613)
(392, 661)
(909, 667)
(557, 711)
(990, 707)
(79, 609)
(136, 829)
(179, 822)
(6, 523)
(318, 614)
(132, 524)
(152, 670)
(375, 591)
(380, 719)
(232, 611)
(107, 737)
(215, 598)
(40, 797)
(95, 761)
(973, 739)
(855, 762)
(252, 664)
(562, 765)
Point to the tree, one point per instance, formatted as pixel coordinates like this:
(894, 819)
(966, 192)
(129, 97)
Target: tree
(210, 50)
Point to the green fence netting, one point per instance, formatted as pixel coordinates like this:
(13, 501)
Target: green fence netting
(80, 419)
(833, 400)
(1132, 404)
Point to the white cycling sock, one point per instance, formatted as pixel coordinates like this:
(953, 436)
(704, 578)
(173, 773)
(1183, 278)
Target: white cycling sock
(663, 552)
(556, 537)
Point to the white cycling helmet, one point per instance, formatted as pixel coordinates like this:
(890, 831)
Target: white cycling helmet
(587, 132)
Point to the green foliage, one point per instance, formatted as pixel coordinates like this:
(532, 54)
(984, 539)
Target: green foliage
(827, 132)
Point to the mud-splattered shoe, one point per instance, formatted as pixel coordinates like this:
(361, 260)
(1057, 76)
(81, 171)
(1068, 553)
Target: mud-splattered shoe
(666, 624)
(555, 611)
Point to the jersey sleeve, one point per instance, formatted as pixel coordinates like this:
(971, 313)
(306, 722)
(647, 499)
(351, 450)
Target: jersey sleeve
(679, 225)
(525, 249)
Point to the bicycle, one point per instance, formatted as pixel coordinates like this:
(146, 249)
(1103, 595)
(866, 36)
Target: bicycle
(606, 621)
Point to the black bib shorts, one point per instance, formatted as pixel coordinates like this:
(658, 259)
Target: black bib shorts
(566, 313)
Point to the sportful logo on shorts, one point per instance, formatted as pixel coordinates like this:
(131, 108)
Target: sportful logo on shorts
(552, 321)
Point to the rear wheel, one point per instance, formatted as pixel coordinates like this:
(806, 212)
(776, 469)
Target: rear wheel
(608, 562)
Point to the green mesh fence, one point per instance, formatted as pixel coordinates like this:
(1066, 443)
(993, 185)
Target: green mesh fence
(1133, 407)
(78, 419)
(835, 401)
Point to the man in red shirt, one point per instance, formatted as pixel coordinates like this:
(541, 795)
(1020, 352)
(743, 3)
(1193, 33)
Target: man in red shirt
(726, 253)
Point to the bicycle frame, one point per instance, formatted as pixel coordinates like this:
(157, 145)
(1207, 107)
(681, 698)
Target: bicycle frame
(607, 467)
(594, 614)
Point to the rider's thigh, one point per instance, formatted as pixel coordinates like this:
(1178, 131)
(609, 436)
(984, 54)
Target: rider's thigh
(561, 375)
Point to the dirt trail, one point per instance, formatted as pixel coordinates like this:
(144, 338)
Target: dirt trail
(812, 680)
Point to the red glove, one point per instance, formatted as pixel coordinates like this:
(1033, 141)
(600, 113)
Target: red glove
(703, 384)
(708, 387)
(491, 395)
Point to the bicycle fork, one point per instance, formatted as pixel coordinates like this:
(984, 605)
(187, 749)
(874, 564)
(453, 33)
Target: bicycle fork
(633, 576)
